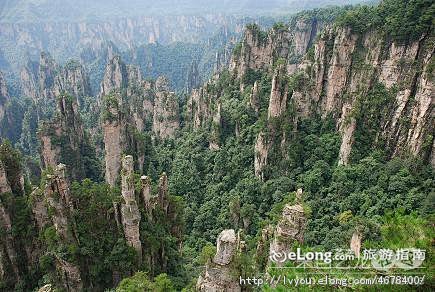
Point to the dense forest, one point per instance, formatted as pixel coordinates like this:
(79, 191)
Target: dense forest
(316, 133)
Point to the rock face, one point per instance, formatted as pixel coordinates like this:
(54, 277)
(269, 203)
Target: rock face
(129, 209)
(72, 79)
(336, 80)
(4, 97)
(71, 38)
(46, 80)
(3, 88)
(153, 201)
(347, 67)
(254, 98)
(193, 78)
(290, 229)
(199, 107)
(132, 105)
(355, 243)
(156, 205)
(47, 72)
(146, 195)
(115, 76)
(216, 128)
(127, 108)
(277, 52)
(58, 197)
(8, 252)
(57, 185)
(218, 276)
(63, 138)
(29, 80)
(279, 94)
(204, 110)
(114, 131)
(260, 50)
(261, 148)
(226, 247)
(165, 118)
(163, 193)
(276, 110)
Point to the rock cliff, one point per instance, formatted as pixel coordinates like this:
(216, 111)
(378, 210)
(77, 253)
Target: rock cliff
(115, 76)
(45, 80)
(165, 118)
(9, 263)
(114, 131)
(337, 79)
(129, 209)
(73, 79)
(347, 69)
(64, 139)
(289, 229)
(131, 106)
(55, 196)
(276, 110)
(4, 97)
(259, 50)
(193, 77)
(218, 275)
(66, 39)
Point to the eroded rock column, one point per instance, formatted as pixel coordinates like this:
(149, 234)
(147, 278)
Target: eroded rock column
(129, 210)
(218, 275)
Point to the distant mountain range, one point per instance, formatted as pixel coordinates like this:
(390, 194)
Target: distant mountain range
(79, 10)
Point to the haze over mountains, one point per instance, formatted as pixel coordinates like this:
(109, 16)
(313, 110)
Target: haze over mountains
(65, 10)
(90, 31)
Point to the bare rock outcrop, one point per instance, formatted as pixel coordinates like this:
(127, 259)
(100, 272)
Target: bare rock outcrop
(214, 142)
(261, 153)
(46, 76)
(45, 80)
(199, 107)
(218, 276)
(131, 105)
(146, 195)
(58, 197)
(29, 80)
(120, 125)
(260, 50)
(73, 79)
(254, 98)
(276, 110)
(289, 229)
(115, 76)
(165, 118)
(8, 252)
(278, 94)
(347, 67)
(114, 135)
(193, 77)
(63, 138)
(46, 288)
(4, 98)
(4, 95)
(155, 205)
(129, 209)
(355, 243)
